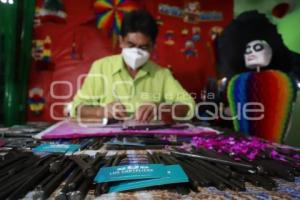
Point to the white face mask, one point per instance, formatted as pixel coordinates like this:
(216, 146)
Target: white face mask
(135, 57)
(258, 54)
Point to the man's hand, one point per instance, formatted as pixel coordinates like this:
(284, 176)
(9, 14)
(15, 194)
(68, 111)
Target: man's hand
(150, 111)
(115, 110)
(146, 112)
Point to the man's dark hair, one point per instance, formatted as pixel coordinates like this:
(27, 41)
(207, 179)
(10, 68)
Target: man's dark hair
(139, 21)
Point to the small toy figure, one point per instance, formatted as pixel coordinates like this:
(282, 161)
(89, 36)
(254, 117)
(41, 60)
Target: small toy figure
(215, 32)
(191, 12)
(189, 49)
(196, 34)
(169, 35)
(184, 32)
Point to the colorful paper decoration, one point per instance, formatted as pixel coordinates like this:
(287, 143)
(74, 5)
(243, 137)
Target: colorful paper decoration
(41, 50)
(36, 100)
(42, 54)
(191, 13)
(110, 13)
(51, 11)
(272, 89)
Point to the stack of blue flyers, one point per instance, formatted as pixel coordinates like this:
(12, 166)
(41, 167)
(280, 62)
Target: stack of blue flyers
(128, 177)
(56, 148)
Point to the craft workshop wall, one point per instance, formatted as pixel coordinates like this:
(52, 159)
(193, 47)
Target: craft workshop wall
(67, 41)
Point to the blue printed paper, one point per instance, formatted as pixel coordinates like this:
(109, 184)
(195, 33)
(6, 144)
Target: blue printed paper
(174, 174)
(130, 172)
(57, 148)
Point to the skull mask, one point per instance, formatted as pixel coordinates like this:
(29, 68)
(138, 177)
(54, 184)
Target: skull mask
(258, 54)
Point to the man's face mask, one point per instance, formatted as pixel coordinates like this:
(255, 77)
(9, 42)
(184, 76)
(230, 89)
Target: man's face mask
(135, 57)
(258, 54)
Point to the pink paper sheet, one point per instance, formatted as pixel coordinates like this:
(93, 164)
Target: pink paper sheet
(69, 129)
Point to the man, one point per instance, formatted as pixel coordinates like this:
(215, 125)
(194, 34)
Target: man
(129, 84)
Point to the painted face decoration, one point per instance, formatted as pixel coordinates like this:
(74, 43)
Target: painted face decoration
(258, 54)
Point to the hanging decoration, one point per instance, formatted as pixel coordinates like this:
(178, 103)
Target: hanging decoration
(184, 32)
(281, 9)
(159, 21)
(74, 54)
(169, 35)
(110, 14)
(191, 13)
(51, 11)
(189, 49)
(41, 53)
(36, 101)
(76, 47)
(215, 32)
(196, 34)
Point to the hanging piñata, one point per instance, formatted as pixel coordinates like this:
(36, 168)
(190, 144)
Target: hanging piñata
(110, 14)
